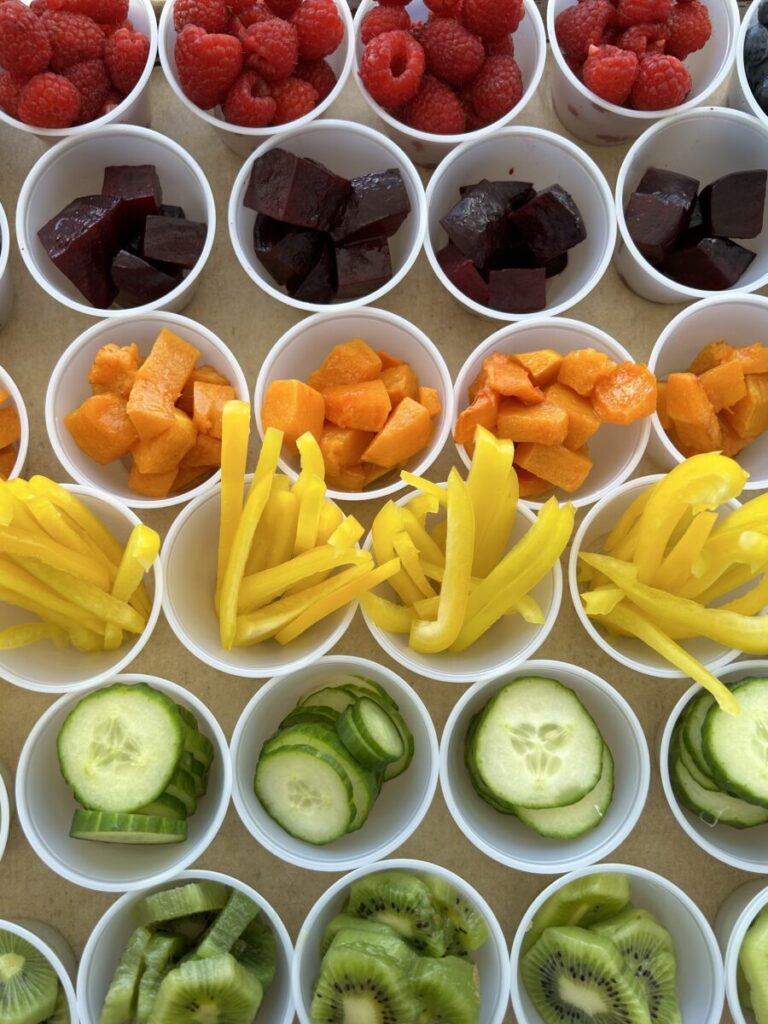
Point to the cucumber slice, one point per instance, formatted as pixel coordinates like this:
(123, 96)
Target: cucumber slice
(198, 772)
(181, 901)
(138, 829)
(691, 724)
(737, 747)
(199, 747)
(705, 781)
(166, 806)
(182, 786)
(335, 697)
(119, 747)
(401, 764)
(576, 819)
(188, 717)
(714, 808)
(477, 783)
(318, 715)
(369, 734)
(120, 1002)
(370, 686)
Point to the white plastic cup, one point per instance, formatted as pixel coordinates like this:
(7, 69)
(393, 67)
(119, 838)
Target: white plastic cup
(737, 912)
(108, 939)
(303, 348)
(426, 148)
(544, 158)
(348, 149)
(491, 959)
(740, 319)
(506, 645)
(402, 803)
(588, 117)
(6, 283)
(705, 144)
(135, 107)
(742, 848)
(740, 95)
(68, 387)
(700, 987)
(8, 384)
(45, 805)
(55, 948)
(614, 449)
(506, 839)
(75, 167)
(6, 806)
(239, 139)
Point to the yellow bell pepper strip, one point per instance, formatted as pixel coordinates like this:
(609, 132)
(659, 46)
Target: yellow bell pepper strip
(83, 639)
(66, 501)
(420, 483)
(391, 617)
(529, 609)
(427, 607)
(628, 518)
(51, 521)
(336, 599)
(602, 600)
(438, 533)
(408, 554)
(428, 637)
(494, 490)
(733, 579)
(235, 431)
(6, 507)
(743, 547)
(15, 541)
(47, 603)
(140, 552)
(238, 556)
(331, 518)
(424, 544)
(310, 506)
(385, 525)
(676, 567)
(347, 533)
(266, 464)
(754, 602)
(262, 541)
(752, 515)
(265, 586)
(334, 529)
(283, 529)
(20, 494)
(310, 455)
(423, 505)
(25, 633)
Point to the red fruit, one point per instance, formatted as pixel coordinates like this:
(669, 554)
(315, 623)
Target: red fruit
(583, 25)
(641, 12)
(689, 29)
(49, 101)
(610, 73)
(98, 10)
(207, 65)
(492, 18)
(252, 15)
(24, 45)
(639, 38)
(91, 80)
(126, 54)
(293, 98)
(497, 88)
(249, 102)
(271, 49)
(663, 81)
(504, 44)
(383, 19)
(452, 53)
(212, 15)
(10, 91)
(320, 76)
(37, 7)
(283, 8)
(445, 8)
(320, 28)
(74, 38)
(435, 108)
(114, 99)
(392, 68)
(473, 120)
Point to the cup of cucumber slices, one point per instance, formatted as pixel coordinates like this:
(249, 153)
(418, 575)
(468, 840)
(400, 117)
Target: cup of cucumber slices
(123, 786)
(40, 990)
(741, 926)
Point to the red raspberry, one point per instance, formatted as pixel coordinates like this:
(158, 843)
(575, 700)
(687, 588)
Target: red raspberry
(435, 108)
(271, 49)
(24, 45)
(473, 120)
(690, 29)
(253, 15)
(98, 10)
(504, 44)
(320, 28)
(73, 37)
(283, 8)
(641, 12)
(293, 98)
(610, 73)
(10, 91)
(37, 7)
(114, 99)
(212, 15)
(445, 8)
(249, 102)
(126, 54)
(383, 19)
(320, 76)
(583, 25)
(492, 18)
(453, 54)
(49, 101)
(639, 38)
(109, 29)
(91, 80)
(497, 88)
(662, 82)
(392, 68)
(207, 65)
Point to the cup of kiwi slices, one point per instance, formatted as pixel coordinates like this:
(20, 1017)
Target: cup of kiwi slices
(34, 984)
(741, 927)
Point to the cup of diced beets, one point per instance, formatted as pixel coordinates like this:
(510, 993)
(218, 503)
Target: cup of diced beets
(6, 284)
(266, 81)
(101, 79)
(357, 214)
(748, 89)
(138, 249)
(678, 65)
(718, 243)
(504, 70)
(561, 220)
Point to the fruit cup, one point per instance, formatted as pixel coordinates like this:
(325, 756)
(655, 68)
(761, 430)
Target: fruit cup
(699, 965)
(75, 167)
(740, 95)
(107, 941)
(737, 912)
(427, 149)
(704, 144)
(6, 284)
(6, 807)
(8, 384)
(543, 158)
(600, 123)
(491, 959)
(50, 944)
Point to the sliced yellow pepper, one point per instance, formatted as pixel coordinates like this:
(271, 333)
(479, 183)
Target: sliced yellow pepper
(732, 579)
(408, 554)
(677, 565)
(262, 587)
(493, 488)
(391, 617)
(283, 529)
(262, 541)
(602, 600)
(47, 603)
(628, 518)
(420, 483)
(25, 633)
(347, 533)
(423, 505)
(235, 431)
(425, 545)
(238, 556)
(83, 639)
(16, 541)
(331, 518)
(140, 552)
(742, 547)
(311, 456)
(82, 515)
(311, 503)
(386, 525)
(266, 464)
(752, 515)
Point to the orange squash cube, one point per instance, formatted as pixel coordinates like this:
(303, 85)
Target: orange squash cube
(430, 399)
(545, 423)
(582, 419)
(407, 431)
(483, 412)
(186, 475)
(508, 378)
(204, 374)
(101, 427)
(208, 406)
(691, 413)
(753, 358)
(159, 383)
(661, 404)
(342, 447)
(711, 355)
(388, 360)
(583, 368)
(749, 416)
(164, 453)
(530, 486)
(114, 369)
(349, 363)
(558, 465)
(400, 382)
(8, 458)
(352, 478)
(541, 366)
(151, 485)
(362, 406)
(205, 453)
(295, 408)
(724, 384)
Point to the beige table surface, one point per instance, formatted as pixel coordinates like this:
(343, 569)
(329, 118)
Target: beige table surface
(250, 322)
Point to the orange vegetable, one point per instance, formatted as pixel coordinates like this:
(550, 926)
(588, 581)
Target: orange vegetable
(731, 442)
(753, 358)
(507, 377)
(541, 366)
(400, 382)
(430, 399)
(204, 454)
(373, 472)
(114, 369)
(342, 447)
(7, 462)
(10, 426)
(477, 385)
(546, 423)
(724, 384)
(749, 416)
(661, 404)
(185, 475)
(4, 395)
(530, 486)
(158, 384)
(582, 420)
(364, 405)
(164, 452)
(406, 432)
(711, 355)
(348, 363)
(583, 368)
(626, 395)
(208, 406)
(204, 374)
(100, 427)
(558, 465)
(352, 478)
(691, 413)
(387, 360)
(151, 485)
(293, 407)
(483, 412)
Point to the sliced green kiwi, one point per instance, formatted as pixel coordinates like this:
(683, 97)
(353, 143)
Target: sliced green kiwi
(362, 984)
(348, 921)
(218, 990)
(402, 901)
(120, 1001)
(28, 983)
(585, 902)
(161, 952)
(363, 933)
(228, 925)
(181, 901)
(60, 1013)
(447, 990)
(470, 929)
(256, 950)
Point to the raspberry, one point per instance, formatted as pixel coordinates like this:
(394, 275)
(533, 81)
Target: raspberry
(640, 12)
(24, 45)
(392, 68)
(445, 8)
(639, 38)
(98, 10)
(109, 29)
(49, 101)
(293, 98)
(249, 102)
(662, 82)
(10, 91)
(283, 8)
(114, 99)
(73, 37)
(583, 25)
(473, 120)
(383, 19)
(207, 65)
(610, 73)
(497, 88)
(212, 15)
(492, 18)
(125, 55)
(320, 76)
(37, 7)
(255, 14)
(92, 82)
(504, 44)
(271, 49)
(320, 28)
(435, 108)
(453, 54)
(690, 28)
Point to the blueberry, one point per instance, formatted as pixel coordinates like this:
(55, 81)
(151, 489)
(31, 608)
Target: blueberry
(761, 93)
(757, 73)
(755, 45)
(762, 13)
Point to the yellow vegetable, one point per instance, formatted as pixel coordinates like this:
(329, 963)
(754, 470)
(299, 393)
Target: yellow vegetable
(262, 587)
(245, 529)
(260, 549)
(25, 633)
(494, 490)
(235, 431)
(140, 552)
(311, 502)
(394, 618)
(408, 554)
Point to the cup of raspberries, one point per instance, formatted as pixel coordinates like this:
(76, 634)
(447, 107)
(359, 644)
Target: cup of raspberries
(622, 65)
(441, 71)
(249, 68)
(69, 65)
(748, 90)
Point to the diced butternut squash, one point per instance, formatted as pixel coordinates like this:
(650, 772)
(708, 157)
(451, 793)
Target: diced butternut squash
(430, 399)
(506, 377)
(114, 369)
(151, 485)
(732, 444)
(483, 412)
(342, 447)
(373, 472)
(627, 394)
(204, 454)
(691, 413)
(753, 358)
(583, 368)
(530, 486)
(162, 454)
(749, 416)
(5, 394)
(582, 419)
(158, 384)
(8, 458)
(353, 478)
(724, 384)
(349, 363)
(558, 465)
(388, 360)
(405, 433)
(101, 427)
(711, 355)
(293, 407)
(477, 385)
(204, 374)
(10, 426)
(541, 366)
(661, 404)
(362, 406)
(545, 423)
(400, 382)
(208, 406)
(186, 475)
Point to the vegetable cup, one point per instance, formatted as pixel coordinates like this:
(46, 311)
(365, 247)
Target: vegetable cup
(704, 144)
(68, 387)
(6, 284)
(6, 807)
(14, 398)
(740, 95)
(108, 939)
(491, 959)
(737, 912)
(46, 804)
(543, 158)
(699, 964)
(50, 944)
(348, 149)
(303, 348)
(75, 167)
(614, 449)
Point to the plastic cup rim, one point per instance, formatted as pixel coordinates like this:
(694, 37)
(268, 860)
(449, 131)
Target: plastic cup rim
(50, 955)
(5, 236)
(731, 958)
(741, 72)
(5, 814)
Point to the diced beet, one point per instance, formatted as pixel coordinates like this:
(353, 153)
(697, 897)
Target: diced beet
(733, 205)
(377, 205)
(295, 190)
(549, 224)
(285, 251)
(463, 273)
(556, 265)
(477, 224)
(138, 282)
(173, 240)
(513, 194)
(172, 211)
(81, 240)
(139, 188)
(655, 221)
(362, 267)
(713, 264)
(656, 179)
(319, 284)
(518, 290)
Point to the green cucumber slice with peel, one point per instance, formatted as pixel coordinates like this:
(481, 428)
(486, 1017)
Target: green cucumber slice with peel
(138, 829)
(369, 734)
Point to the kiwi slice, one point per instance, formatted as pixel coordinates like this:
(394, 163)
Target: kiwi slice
(404, 902)
(256, 950)
(218, 990)
(469, 928)
(192, 898)
(360, 983)
(585, 902)
(120, 1002)
(364, 933)
(60, 1013)
(228, 925)
(575, 976)
(348, 921)
(447, 990)
(28, 983)
(162, 951)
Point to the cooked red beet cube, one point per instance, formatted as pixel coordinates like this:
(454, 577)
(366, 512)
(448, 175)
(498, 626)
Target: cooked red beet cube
(656, 179)
(172, 211)
(139, 188)
(513, 194)
(362, 268)
(477, 224)
(296, 190)
(713, 264)
(549, 224)
(518, 289)
(377, 205)
(172, 240)
(463, 273)
(286, 251)
(556, 266)
(655, 221)
(733, 206)
(81, 240)
(319, 285)
(138, 282)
